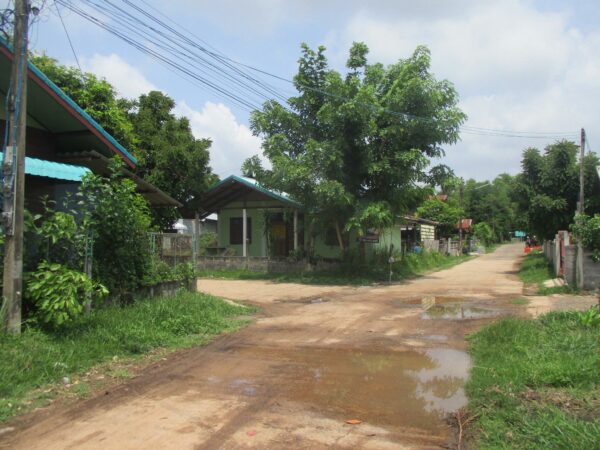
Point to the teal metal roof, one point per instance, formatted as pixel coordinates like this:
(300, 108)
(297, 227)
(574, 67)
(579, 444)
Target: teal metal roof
(51, 169)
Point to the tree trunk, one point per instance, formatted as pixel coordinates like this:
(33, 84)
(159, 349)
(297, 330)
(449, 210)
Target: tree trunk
(340, 238)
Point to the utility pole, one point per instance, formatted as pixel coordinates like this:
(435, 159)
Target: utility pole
(13, 169)
(580, 210)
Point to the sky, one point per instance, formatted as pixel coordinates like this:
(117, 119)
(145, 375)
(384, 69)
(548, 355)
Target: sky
(519, 65)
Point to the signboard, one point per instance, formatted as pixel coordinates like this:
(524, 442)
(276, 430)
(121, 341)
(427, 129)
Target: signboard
(370, 238)
(520, 234)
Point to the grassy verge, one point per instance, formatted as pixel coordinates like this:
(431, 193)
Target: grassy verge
(536, 384)
(31, 362)
(535, 269)
(410, 266)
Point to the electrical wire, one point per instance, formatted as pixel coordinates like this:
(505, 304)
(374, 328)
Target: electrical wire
(226, 76)
(69, 39)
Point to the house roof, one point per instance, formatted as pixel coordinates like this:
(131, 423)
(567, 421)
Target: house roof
(100, 164)
(50, 109)
(235, 188)
(420, 220)
(51, 169)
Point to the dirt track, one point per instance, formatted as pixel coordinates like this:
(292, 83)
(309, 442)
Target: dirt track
(390, 356)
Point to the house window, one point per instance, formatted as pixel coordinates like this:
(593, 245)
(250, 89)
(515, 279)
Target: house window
(236, 232)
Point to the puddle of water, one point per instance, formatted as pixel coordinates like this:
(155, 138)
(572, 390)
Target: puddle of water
(307, 300)
(411, 388)
(427, 302)
(457, 312)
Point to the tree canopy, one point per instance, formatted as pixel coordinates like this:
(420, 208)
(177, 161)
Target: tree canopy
(548, 187)
(356, 148)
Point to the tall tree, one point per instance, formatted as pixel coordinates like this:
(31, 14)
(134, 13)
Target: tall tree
(170, 157)
(548, 187)
(356, 148)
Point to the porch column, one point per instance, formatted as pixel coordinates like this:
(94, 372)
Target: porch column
(244, 233)
(295, 229)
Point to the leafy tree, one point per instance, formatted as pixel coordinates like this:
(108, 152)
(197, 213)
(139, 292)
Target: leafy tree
(447, 214)
(170, 157)
(356, 148)
(95, 95)
(548, 187)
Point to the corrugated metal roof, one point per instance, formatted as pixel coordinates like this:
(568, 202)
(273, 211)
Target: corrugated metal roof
(51, 169)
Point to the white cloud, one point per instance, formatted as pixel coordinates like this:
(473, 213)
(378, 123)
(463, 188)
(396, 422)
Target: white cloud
(516, 68)
(129, 81)
(232, 142)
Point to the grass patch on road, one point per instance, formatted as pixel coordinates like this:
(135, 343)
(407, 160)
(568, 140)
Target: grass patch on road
(536, 269)
(536, 384)
(36, 359)
(410, 266)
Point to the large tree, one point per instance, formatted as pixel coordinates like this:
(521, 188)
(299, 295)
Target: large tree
(356, 148)
(170, 157)
(548, 187)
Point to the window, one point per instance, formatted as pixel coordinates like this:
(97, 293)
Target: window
(236, 232)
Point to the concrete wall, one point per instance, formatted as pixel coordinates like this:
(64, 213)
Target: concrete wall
(257, 264)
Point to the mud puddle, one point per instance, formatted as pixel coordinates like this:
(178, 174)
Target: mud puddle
(312, 300)
(457, 312)
(409, 388)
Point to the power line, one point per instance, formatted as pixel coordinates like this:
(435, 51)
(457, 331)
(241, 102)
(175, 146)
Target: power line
(224, 74)
(69, 39)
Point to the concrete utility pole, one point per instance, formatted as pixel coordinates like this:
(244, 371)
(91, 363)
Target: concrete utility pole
(14, 174)
(580, 210)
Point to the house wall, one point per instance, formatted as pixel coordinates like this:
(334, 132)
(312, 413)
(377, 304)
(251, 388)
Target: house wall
(258, 244)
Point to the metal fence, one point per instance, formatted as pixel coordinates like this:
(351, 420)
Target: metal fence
(175, 248)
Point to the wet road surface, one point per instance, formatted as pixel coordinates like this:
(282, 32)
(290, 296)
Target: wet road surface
(392, 357)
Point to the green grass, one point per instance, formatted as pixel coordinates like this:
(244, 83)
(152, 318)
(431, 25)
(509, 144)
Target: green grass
(410, 266)
(535, 384)
(536, 269)
(36, 358)
(520, 301)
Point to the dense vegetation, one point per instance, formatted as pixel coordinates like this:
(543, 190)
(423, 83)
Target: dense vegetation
(535, 384)
(37, 358)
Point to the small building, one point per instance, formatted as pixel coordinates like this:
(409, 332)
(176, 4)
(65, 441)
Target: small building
(259, 222)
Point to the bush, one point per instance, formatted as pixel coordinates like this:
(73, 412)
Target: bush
(484, 233)
(120, 221)
(59, 293)
(588, 230)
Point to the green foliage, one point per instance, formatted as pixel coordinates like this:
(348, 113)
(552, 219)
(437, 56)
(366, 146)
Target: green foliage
(161, 272)
(548, 187)
(339, 151)
(36, 358)
(590, 318)
(96, 96)
(446, 214)
(208, 240)
(120, 221)
(170, 157)
(534, 384)
(588, 230)
(484, 233)
(59, 293)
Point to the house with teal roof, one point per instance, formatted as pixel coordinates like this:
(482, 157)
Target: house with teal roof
(63, 142)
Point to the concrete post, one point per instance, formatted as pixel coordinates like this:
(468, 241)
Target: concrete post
(244, 233)
(295, 230)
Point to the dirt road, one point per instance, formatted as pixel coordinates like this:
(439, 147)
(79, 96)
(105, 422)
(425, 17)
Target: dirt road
(391, 356)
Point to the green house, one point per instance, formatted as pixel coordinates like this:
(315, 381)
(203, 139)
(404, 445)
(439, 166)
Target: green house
(271, 224)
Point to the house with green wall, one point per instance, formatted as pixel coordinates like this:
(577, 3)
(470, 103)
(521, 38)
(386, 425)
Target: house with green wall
(254, 221)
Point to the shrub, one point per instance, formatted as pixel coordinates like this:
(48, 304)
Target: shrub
(484, 233)
(120, 221)
(588, 230)
(59, 293)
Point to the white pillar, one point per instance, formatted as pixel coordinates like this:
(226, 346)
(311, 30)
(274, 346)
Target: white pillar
(295, 230)
(244, 233)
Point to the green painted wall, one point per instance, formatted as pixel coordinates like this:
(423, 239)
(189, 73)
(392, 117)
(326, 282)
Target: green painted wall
(258, 245)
